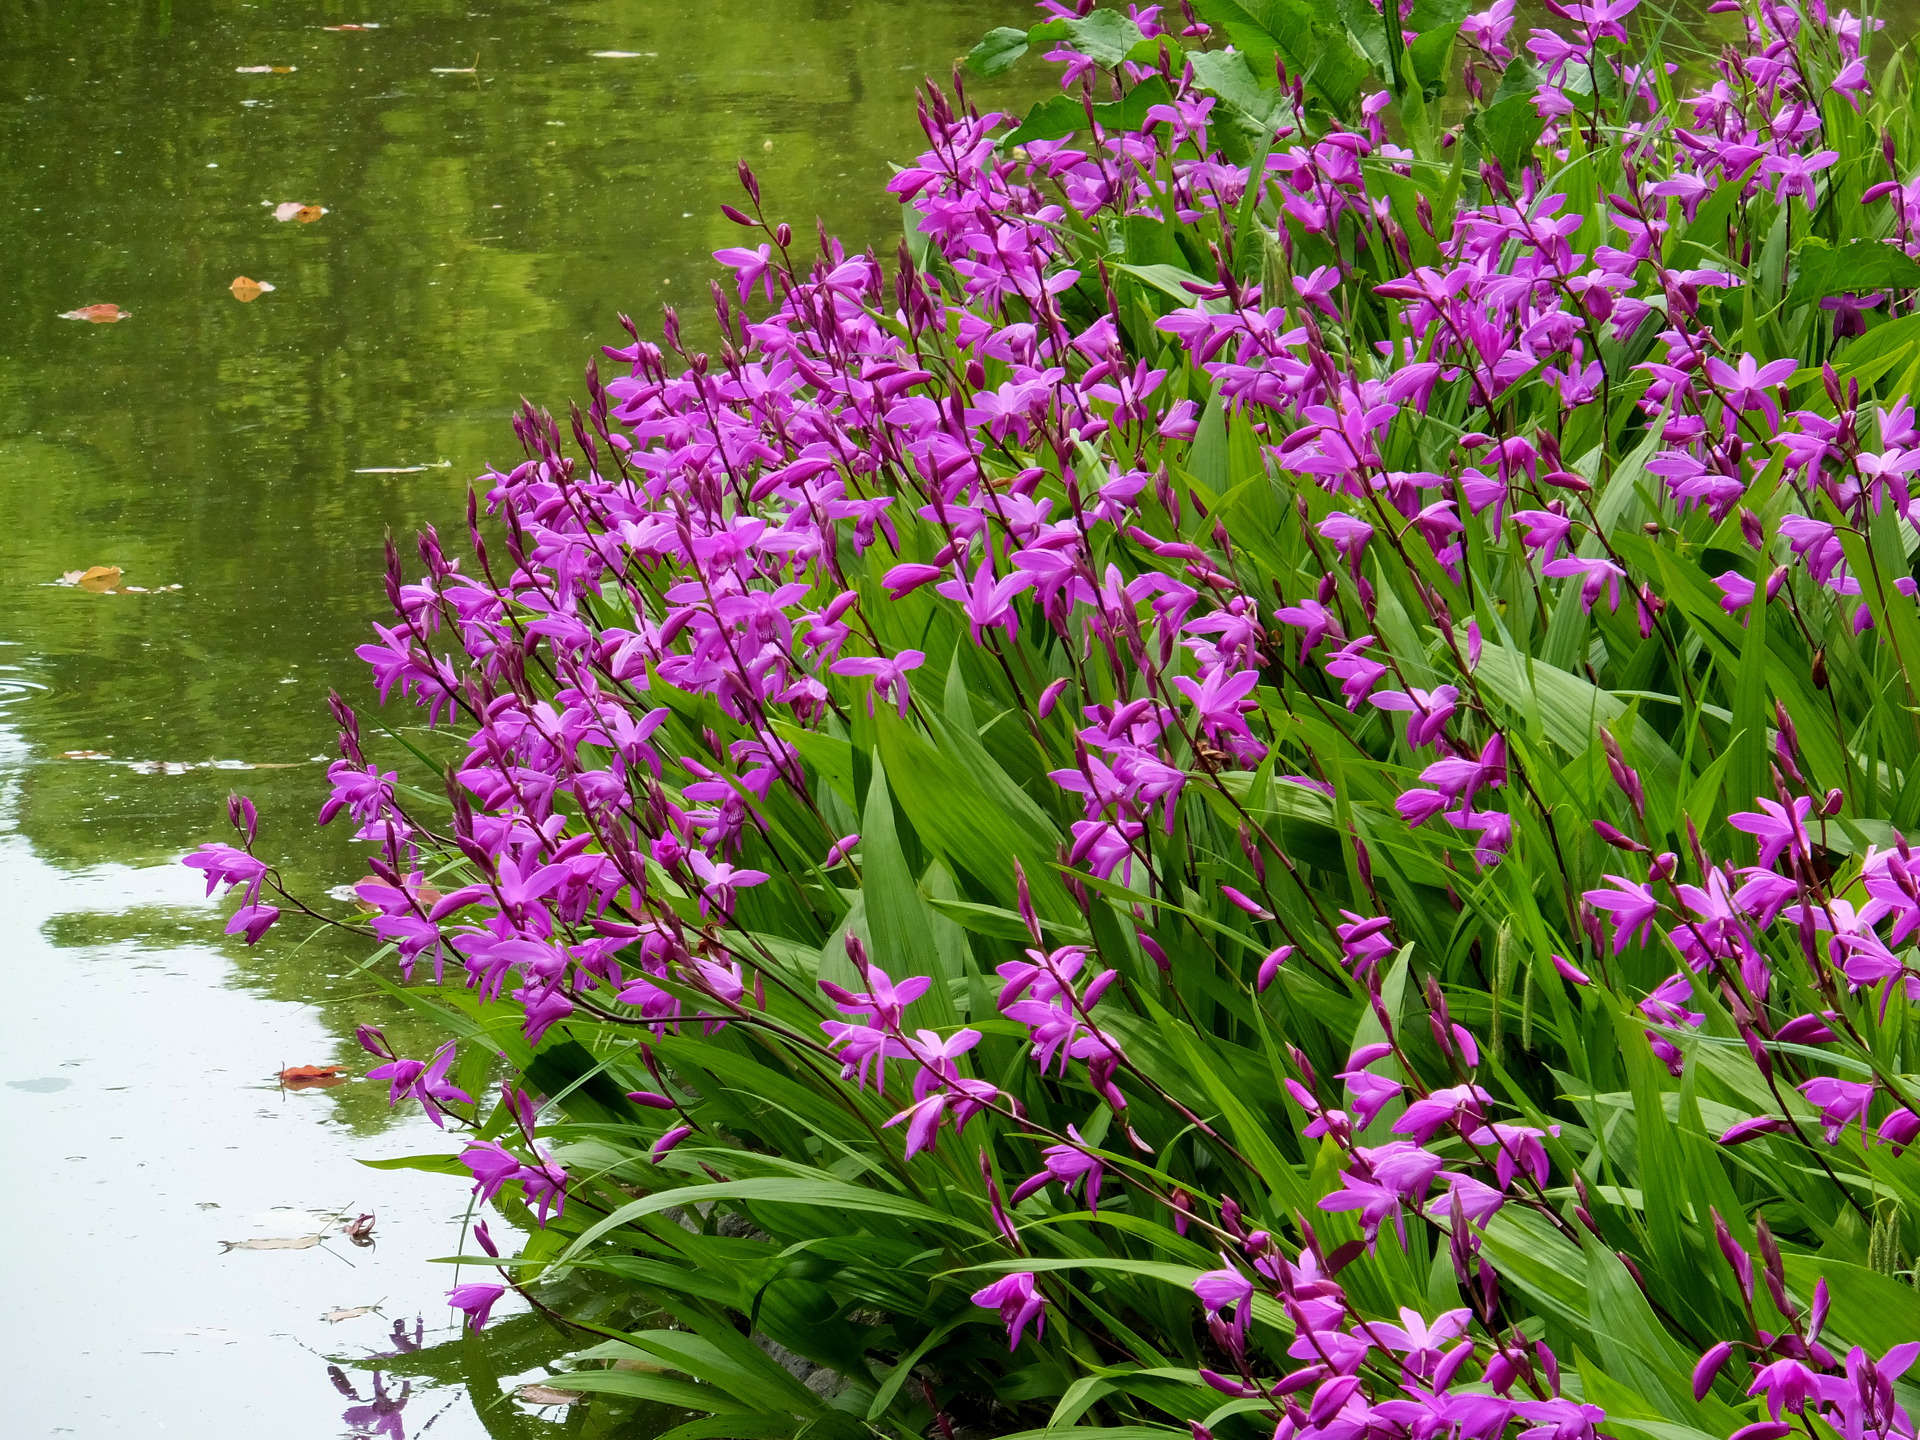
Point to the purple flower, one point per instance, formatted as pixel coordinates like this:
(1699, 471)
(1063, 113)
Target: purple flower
(1018, 1302)
(1364, 941)
(1544, 531)
(1219, 699)
(718, 880)
(988, 600)
(1458, 1105)
(1737, 591)
(1841, 1102)
(666, 1142)
(1227, 1296)
(1419, 1340)
(1430, 709)
(477, 1301)
(1787, 1385)
(889, 676)
(224, 865)
(1070, 1165)
(1777, 828)
(1355, 671)
(1595, 575)
(426, 1083)
(252, 921)
(1630, 906)
(1348, 535)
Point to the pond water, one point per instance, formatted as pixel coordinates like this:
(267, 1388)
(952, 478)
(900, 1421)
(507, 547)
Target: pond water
(494, 193)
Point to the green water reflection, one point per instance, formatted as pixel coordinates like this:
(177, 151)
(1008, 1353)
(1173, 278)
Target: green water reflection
(495, 194)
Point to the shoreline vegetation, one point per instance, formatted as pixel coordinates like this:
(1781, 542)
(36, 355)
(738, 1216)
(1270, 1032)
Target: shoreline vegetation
(1256, 790)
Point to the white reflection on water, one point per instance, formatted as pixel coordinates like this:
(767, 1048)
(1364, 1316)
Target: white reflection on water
(142, 1126)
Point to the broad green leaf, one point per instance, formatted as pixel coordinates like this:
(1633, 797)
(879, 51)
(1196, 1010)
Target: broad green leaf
(999, 49)
(1851, 269)
(1064, 115)
(831, 1193)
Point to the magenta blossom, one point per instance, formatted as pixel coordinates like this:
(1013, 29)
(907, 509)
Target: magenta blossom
(1019, 1302)
(476, 1302)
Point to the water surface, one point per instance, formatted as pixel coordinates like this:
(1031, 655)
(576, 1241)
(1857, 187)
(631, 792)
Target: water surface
(494, 194)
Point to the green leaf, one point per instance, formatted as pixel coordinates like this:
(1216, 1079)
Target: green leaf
(1105, 37)
(1882, 343)
(1856, 268)
(435, 1164)
(1226, 75)
(1430, 54)
(899, 927)
(1507, 131)
(1571, 709)
(1869, 1308)
(968, 810)
(1301, 34)
(1063, 115)
(831, 1193)
(663, 1389)
(734, 1425)
(999, 49)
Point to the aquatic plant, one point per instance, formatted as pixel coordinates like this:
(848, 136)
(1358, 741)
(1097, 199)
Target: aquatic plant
(1257, 791)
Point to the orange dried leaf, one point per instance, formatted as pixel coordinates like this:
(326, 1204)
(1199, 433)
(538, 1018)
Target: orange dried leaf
(99, 579)
(311, 1077)
(307, 214)
(98, 314)
(246, 291)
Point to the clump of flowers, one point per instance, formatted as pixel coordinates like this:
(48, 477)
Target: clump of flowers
(1258, 789)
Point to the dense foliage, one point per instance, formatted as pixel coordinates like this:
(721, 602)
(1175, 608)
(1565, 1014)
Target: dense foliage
(1291, 786)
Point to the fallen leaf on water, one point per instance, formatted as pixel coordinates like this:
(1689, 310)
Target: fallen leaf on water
(359, 1230)
(308, 1077)
(96, 579)
(307, 214)
(334, 1317)
(246, 291)
(295, 1242)
(98, 314)
(547, 1395)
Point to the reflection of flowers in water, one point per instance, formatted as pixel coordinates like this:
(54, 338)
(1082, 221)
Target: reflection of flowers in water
(403, 1343)
(379, 1414)
(376, 1415)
